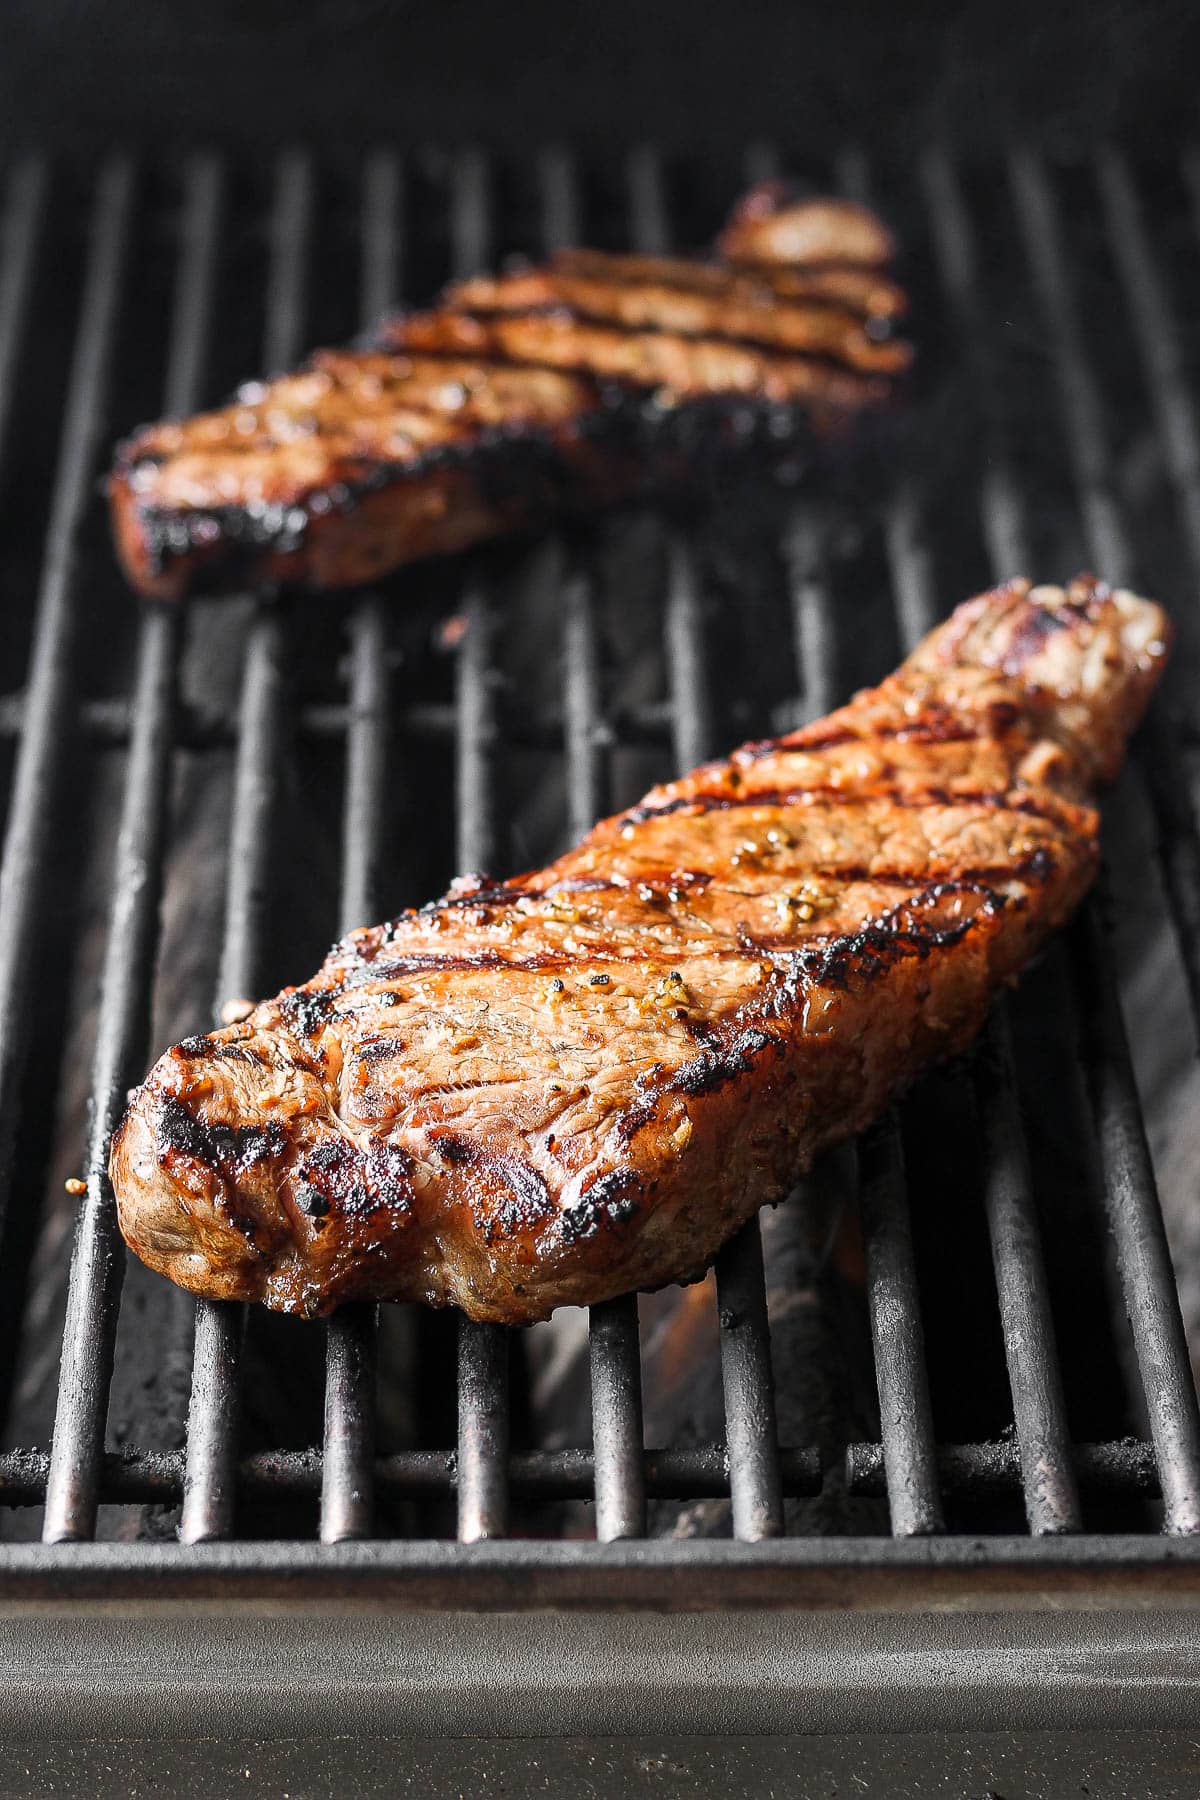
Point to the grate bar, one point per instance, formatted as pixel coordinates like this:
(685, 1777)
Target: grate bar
(892, 1294)
(20, 229)
(210, 1486)
(691, 703)
(214, 1415)
(96, 1266)
(587, 765)
(613, 1344)
(814, 623)
(1082, 409)
(347, 1502)
(483, 1431)
(1158, 339)
(994, 1471)
(1130, 1188)
(483, 1350)
(690, 1472)
(614, 1351)
(347, 1491)
(109, 722)
(31, 812)
(897, 1337)
(73, 1490)
(1147, 1278)
(560, 199)
(1105, 534)
(347, 1496)
(618, 1457)
(750, 1428)
(1035, 1377)
(1030, 1346)
(751, 1436)
(1031, 1352)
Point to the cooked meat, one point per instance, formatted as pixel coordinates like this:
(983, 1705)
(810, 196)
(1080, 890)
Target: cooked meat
(766, 228)
(519, 396)
(580, 1082)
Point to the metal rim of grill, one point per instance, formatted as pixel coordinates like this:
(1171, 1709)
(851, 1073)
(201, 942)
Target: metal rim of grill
(349, 1474)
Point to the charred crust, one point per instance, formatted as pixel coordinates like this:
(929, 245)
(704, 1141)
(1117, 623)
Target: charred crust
(937, 724)
(453, 1149)
(631, 443)
(378, 1049)
(724, 1058)
(839, 360)
(337, 1176)
(710, 1071)
(901, 932)
(307, 1010)
(206, 1044)
(721, 800)
(526, 1203)
(507, 1195)
(611, 1200)
(229, 1150)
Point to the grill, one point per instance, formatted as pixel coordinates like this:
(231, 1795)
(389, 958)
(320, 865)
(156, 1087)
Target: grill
(196, 800)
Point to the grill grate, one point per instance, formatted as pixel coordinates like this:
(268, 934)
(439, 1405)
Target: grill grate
(343, 732)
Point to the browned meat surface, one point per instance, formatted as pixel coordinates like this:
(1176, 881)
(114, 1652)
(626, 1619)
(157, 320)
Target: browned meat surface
(767, 228)
(582, 1081)
(518, 396)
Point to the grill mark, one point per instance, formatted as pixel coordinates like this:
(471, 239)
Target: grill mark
(933, 728)
(1037, 867)
(230, 1151)
(205, 1045)
(524, 1201)
(714, 335)
(171, 533)
(612, 1199)
(612, 420)
(990, 799)
(338, 1177)
(370, 964)
(858, 386)
(715, 278)
(1035, 625)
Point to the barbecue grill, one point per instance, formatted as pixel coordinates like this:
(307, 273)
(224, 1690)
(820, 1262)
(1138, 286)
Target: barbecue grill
(196, 800)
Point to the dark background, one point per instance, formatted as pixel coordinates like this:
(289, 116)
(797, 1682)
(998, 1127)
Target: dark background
(74, 73)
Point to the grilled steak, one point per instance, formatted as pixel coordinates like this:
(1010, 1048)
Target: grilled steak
(582, 1081)
(519, 396)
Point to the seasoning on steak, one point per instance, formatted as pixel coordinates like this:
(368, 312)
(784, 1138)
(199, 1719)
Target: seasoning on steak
(582, 1081)
(517, 397)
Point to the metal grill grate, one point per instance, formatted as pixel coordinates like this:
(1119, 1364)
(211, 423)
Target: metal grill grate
(345, 714)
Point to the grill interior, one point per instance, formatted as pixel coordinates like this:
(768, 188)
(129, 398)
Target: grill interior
(966, 1330)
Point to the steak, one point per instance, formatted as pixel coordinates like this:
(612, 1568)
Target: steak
(579, 1082)
(519, 397)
